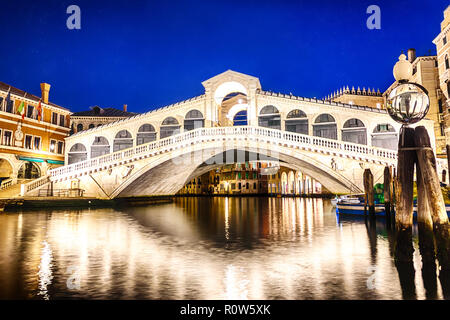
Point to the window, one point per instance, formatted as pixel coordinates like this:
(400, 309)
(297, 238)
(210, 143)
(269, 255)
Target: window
(91, 126)
(240, 119)
(354, 131)
(62, 120)
(37, 143)
(146, 133)
(60, 147)
(28, 141)
(269, 117)
(444, 40)
(123, 140)
(447, 66)
(325, 127)
(79, 127)
(77, 153)
(52, 145)
(1, 103)
(30, 112)
(7, 138)
(169, 127)
(254, 185)
(99, 147)
(442, 129)
(193, 120)
(296, 121)
(440, 106)
(54, 118)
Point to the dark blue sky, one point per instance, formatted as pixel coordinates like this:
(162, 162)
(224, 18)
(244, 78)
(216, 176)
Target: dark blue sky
(152, 53)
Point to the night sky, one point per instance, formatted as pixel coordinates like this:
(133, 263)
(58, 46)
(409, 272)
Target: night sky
(149, 54)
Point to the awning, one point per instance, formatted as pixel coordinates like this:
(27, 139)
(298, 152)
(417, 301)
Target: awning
(31, 159)
(55, 161)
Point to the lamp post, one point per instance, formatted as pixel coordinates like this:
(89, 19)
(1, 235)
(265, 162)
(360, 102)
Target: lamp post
(408, 103)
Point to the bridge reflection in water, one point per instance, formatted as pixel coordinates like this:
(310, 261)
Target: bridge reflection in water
(202, 248)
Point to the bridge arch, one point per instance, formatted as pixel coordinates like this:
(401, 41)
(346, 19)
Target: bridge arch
(100, 146)
(194, 119)
(385, 135)
(297, 121)
(77, 153)
(162, 175)
(325, 126)
(146, 133)
(269, 117)
(169, 127)
(354, 131)
(122, 140)
(226, 88)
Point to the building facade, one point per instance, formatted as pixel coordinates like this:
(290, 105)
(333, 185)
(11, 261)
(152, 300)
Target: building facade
(96, 117)
(443, 65)
(32, 135)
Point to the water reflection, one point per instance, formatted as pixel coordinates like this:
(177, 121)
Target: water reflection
(205, 248)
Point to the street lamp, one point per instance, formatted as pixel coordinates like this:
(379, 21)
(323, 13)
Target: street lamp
(408, 102)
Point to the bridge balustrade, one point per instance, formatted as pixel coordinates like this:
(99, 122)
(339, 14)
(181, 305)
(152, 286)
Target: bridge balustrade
(200, 134)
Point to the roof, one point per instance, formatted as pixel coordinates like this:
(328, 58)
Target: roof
(103, 112)
(18, 92)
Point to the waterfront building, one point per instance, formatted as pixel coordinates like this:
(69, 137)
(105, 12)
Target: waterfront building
(32, 133)
(369, 97)
(443, 66)
(97, 116)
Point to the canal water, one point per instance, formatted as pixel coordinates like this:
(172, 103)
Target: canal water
(204, 248)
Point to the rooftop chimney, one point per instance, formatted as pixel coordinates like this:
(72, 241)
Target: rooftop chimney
(125, 107)
(45, 88)
(411, 55)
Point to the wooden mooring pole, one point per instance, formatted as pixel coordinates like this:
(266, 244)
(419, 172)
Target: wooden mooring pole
(404, 196)
(368, 190)
(387, 186)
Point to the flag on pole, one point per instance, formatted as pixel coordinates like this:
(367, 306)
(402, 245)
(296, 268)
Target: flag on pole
(21, 110)
(39, 110)
(8, 99)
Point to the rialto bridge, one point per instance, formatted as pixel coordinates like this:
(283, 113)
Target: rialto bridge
(235, 120)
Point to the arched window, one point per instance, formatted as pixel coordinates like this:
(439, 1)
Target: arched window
(193, 120)
(384, 136)
(269, 117)
(325, 127)
(447, 65)
(29, 170)
(240, 118)
(79, 127)
(99, 147)
(91, 126)
(354, 131)
(146, 133)
(123, 140)
(77, 153)
(296, 121)
(169, 127)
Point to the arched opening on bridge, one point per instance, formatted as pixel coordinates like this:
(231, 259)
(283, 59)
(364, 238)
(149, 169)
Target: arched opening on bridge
(240, 119)
(385, 136)
(194, 119)
(6, 170)
(29, 170)
(269, 117)
(354, 131)
(296, 121)
(79, 127)
(77, 153)
(232, 104)
(123, 140)
(325, 127)
(284, 183)
(146, 133)
(99, 147)
(291, 183)
(169, 127)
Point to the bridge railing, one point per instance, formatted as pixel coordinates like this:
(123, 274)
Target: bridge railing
(197, 135)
